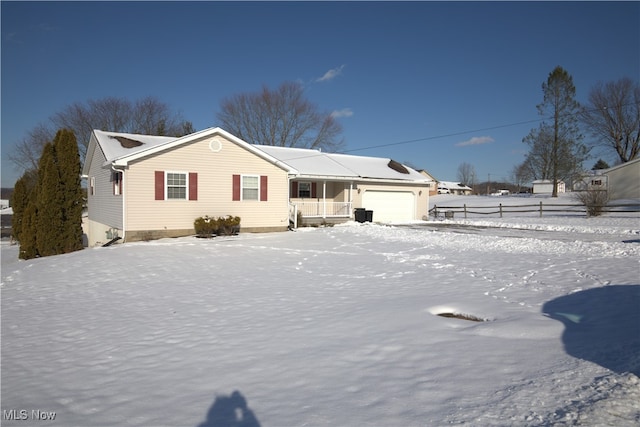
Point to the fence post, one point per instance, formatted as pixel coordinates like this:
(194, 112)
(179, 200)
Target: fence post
(500, 210)
(465, 211)
(435, 211)
(541, 209)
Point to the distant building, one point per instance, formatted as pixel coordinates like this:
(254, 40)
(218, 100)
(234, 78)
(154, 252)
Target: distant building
(622, 181)
(4, 203)
(449, 187)
(545, 186)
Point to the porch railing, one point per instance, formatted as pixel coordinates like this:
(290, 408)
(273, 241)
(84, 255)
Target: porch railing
(324, 209)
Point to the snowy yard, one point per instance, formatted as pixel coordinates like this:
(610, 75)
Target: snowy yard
(333, 327)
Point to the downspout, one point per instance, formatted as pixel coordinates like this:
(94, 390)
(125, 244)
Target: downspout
(122, 193)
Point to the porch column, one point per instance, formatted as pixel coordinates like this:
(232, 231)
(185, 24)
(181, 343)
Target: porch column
(324, 199)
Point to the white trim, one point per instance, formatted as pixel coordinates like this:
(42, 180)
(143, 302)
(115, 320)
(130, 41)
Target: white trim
(242, 176)
(166, 185)
(124, 160)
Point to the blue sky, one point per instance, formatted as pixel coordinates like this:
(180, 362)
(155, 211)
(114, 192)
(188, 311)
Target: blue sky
(459, 79)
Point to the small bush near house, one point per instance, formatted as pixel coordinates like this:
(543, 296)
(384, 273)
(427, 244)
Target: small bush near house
(229, 225)
(593, 200)
(205, 226)
(208, 227)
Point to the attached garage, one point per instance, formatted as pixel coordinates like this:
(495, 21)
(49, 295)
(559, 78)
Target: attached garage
(390, 206)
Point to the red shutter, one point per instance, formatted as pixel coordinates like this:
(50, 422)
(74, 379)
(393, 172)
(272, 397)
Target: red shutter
(236, 188)
(159, 185)
(314, 189)
(294, 189)
(263, 188)
(193, 186)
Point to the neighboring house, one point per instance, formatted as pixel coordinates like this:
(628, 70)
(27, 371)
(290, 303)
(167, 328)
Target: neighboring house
(624, 180)
(145, 187)
(448, 187)
(433, 190)
(4, 203)
(594, 180)
(545, 186)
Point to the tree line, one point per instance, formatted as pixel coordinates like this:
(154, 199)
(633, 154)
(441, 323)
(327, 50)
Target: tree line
(48, 196)
(556, 148)
(48, 201)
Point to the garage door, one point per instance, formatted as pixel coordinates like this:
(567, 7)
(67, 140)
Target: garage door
(390, 206)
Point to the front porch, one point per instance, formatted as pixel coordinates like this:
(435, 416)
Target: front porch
(321, 202)
(314, 213)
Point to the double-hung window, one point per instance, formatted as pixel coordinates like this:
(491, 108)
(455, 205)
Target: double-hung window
(176, 185)
(304, 189)
(250, 187)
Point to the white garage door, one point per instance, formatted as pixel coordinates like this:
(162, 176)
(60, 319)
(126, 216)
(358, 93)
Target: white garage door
(390, 206)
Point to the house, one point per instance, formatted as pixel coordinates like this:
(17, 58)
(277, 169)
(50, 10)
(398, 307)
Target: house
(545, 186)
(624, 180)
(328, 186)
(145, 187)
(448, 187)
(433, 189)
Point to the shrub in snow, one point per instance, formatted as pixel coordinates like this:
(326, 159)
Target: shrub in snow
(205, 226)
(593, 200)
(228, 225)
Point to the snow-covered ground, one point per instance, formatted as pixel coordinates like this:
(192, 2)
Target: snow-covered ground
(333, 327)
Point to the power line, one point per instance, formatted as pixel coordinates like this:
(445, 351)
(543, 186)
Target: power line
(430, 138)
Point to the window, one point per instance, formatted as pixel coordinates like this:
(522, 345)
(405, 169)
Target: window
(176, 185)
(304, 189)
(92, 185)
(250, 187)
(596, 182)
(116, 178)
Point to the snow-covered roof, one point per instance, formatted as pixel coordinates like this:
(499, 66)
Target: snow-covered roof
(120, 148)
(116, 144)
(453, 185)
(310, 162)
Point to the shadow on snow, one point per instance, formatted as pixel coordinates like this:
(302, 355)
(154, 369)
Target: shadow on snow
(602, 325)
(230, 411)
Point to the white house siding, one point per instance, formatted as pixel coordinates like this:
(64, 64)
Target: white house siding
(624, 180)
(215, 170)
(105, 208)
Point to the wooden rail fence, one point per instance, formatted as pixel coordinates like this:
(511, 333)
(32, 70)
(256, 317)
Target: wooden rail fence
(540, 208)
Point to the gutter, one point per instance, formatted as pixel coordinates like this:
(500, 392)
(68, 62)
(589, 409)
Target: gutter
(122, 194)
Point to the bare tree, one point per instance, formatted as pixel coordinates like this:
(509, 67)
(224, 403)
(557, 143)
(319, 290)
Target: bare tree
(520, 176)
(26, 154)
(146, 116)
(282, 117)
(612, 115)
(466, 174)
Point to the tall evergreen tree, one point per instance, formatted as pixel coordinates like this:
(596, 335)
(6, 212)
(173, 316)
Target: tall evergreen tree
(49, 204)
(51, 213)
(28, 243)
(22, 194)
(70, 188)
(556, 151)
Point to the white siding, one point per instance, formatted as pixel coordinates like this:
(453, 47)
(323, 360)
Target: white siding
(103, 207)
(215, 170)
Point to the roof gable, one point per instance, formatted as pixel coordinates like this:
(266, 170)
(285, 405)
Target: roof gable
(121, 148)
